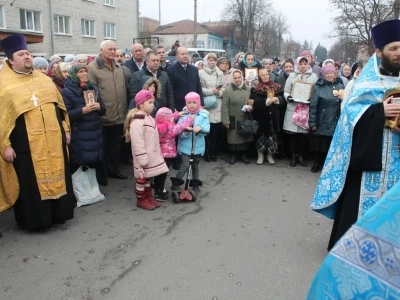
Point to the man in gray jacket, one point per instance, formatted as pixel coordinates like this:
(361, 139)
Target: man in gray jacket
(109, 77)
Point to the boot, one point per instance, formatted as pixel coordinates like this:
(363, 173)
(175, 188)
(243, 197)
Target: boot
(207, 157)
(315, 168)
(143, 201)
(244, 158)
(260, 159)
(232, 158)
(301, 161)
(270, 159)
(152, 200)
(293, 161)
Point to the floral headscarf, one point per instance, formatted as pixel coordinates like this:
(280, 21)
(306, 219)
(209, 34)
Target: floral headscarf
(263, 87)
(72, 73)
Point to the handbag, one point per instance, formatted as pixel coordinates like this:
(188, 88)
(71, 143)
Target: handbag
(247, 126)
(210, 102)
(86, 188)
(301, 115)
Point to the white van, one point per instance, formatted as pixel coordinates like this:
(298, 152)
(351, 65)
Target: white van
(203, 52)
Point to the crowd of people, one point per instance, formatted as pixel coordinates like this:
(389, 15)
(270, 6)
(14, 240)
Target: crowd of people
(139, 109)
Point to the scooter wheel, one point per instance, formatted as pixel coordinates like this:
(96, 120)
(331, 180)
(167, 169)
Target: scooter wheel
(194, 196)
(175, 197)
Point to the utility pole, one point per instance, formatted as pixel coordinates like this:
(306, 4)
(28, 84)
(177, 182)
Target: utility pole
(159, 11)
(195, 25)
(51, 27)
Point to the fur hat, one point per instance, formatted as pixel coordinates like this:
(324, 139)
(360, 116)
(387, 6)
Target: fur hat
(80, 57)
(152, 80)
(192, 96)
(143, 96)
(55, 57)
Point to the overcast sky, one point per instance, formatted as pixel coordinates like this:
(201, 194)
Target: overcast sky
(308, 19)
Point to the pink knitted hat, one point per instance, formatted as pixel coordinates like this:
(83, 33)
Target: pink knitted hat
(192, 96)
(164, 114)
(327, 69)
(143, 96)
(305, 53)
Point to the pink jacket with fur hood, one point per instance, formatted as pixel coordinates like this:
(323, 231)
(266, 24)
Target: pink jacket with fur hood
(168, 131)
(146, 150)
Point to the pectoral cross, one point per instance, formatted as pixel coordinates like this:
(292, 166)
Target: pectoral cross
(34, 99)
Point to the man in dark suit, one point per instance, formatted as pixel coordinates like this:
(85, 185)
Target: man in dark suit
(137, 62)
(184, 78)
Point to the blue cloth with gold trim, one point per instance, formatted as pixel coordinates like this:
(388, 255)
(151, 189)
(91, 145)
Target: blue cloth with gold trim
(365, 262)
(370, 88)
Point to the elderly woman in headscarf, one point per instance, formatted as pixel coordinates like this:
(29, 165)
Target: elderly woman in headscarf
(267, 96)
(85, 107)
(212, 83)
(61, 72)
(40, 64)
(81, 59)
(234, 100)
(69, 58)
(238, 59)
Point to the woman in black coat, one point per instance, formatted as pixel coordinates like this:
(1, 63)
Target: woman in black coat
(324, 113)
(267, 97)
(85, 107)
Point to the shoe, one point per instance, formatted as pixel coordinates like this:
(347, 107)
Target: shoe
(214, 158)
(149, 195)
(161, 196)
(301, 161)
(293, 161)
(207, 158)
(102, 182)
(175, 188)
(260, 159)
(244, 158)
(117, 175)
(232, 159)
(142, 201)
(270, 159)
(196, 189)
(315, 168)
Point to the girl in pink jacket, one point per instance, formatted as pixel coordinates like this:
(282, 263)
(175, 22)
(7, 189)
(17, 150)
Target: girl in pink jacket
(168, 130)
(148, 160)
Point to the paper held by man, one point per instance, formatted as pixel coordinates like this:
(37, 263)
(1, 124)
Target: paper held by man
(301, 91)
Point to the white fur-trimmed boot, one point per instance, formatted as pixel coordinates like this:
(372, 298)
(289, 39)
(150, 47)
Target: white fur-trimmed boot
(270, 159)
(260, 159)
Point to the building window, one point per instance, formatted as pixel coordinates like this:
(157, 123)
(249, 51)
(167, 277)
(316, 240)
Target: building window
(87, 27)
(109, 31)
(30, 20)
(2, 23)
(109, 3)
(62, 25)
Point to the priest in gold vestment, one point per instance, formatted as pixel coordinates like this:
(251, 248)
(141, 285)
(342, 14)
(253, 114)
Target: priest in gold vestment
(34, 134)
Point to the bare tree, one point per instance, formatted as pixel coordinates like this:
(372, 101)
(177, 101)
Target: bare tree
(356, 18)
(291, 49)
(344, 50)
(250, 16)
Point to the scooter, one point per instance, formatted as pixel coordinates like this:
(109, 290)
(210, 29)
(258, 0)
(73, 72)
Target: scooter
(187, 194)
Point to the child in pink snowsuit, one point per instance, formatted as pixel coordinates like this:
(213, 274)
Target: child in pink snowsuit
(168, 130)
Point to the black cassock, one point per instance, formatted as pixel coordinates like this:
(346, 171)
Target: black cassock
(30, 211)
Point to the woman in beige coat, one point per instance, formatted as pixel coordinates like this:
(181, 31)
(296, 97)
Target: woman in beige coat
(234, 99)
(212, 83)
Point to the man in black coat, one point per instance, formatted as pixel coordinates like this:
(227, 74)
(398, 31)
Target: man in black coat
(137, 62)
(184, 78)
(160, 50)
(153, 69)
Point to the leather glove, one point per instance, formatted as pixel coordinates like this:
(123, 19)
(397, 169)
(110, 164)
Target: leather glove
(290, 99)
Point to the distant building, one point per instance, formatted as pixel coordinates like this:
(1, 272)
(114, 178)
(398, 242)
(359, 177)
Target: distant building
(148, 24)
(79, 26)
(183, 32)
(228, 31)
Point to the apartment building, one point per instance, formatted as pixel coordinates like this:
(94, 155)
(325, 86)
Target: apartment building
(70, 26)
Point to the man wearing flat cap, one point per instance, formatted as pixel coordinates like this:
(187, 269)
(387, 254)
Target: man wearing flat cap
(364, 159)
(34, 133)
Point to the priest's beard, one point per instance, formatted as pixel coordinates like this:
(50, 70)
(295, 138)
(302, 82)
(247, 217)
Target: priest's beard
(391, 66)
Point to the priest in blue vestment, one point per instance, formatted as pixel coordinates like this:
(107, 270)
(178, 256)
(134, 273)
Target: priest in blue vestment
(363, 161)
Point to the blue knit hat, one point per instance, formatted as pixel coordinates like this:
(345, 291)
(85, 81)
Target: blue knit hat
(68, 57)
(40, 61)
(385, 33)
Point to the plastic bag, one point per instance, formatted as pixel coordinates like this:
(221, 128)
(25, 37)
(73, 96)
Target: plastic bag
(301, 115)
(86, 188)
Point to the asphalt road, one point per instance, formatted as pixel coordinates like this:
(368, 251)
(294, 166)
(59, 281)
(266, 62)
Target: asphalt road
(250, 236)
